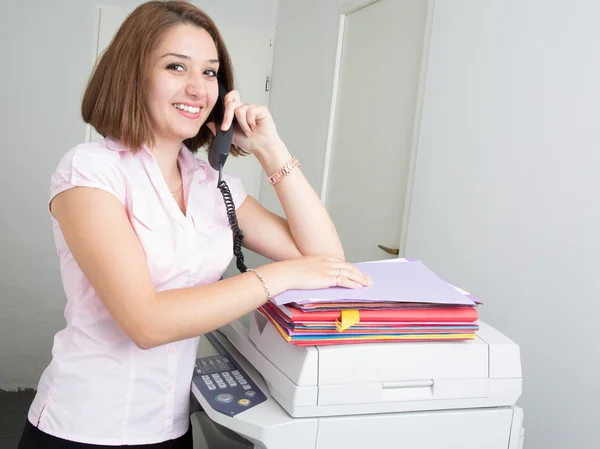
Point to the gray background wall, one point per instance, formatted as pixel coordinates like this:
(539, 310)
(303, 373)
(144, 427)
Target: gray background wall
(506, 192)
(506, 186)
(505, 201)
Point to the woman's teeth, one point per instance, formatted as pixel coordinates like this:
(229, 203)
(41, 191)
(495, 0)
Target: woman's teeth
(190, 109)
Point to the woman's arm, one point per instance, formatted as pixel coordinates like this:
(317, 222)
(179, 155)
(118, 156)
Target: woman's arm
(307, 228)
(98, 232)
(308, 222)
(266, 233)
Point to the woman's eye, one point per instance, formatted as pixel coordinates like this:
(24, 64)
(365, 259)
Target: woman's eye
(176, 67)
(210, 72)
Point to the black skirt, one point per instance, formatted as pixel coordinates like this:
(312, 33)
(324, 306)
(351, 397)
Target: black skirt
(34, 438)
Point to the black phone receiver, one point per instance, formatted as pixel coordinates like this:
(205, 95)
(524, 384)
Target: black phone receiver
(221, 144)
(217, 155)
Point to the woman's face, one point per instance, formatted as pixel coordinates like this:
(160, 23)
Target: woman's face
(183, 86)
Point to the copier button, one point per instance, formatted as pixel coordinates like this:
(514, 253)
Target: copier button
(244, 402)
(224, 398)
(250, 393)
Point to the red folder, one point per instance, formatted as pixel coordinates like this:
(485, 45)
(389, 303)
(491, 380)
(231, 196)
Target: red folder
(437, 314)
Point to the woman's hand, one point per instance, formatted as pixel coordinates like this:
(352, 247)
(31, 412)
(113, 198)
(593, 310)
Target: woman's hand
(314, 272)
(255, 129)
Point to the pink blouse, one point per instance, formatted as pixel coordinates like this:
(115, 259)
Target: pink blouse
(100, 388)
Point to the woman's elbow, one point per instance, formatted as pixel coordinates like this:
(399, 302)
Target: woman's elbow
(142, 337)
(143, 332)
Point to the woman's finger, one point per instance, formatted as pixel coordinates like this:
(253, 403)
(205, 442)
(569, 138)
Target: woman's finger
(254, 111)
(353, 273)
(231, 101)
(230, 109)
(232, 96)
(356, 276)
(241, 115)
(343, 281)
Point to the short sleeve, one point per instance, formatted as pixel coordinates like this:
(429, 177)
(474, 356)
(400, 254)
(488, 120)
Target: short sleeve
(89, 165)
(236, 187)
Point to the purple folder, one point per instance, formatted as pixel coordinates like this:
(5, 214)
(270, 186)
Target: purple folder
(405, 281)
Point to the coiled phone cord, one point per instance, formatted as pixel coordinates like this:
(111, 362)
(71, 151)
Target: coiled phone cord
(238, 235)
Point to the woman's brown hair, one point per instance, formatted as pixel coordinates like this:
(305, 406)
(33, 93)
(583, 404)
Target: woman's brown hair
(113, 102)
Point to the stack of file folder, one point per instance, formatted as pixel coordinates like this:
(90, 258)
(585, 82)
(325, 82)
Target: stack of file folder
(407, 302)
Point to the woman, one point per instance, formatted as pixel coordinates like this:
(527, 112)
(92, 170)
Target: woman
(143, 238)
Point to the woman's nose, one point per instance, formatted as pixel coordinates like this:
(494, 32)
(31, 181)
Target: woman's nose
(195, 88)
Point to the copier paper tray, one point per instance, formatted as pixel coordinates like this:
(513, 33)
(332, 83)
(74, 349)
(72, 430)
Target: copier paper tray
(374, 378)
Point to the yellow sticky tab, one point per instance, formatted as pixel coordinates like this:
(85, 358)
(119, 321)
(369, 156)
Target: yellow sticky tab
(349, 318)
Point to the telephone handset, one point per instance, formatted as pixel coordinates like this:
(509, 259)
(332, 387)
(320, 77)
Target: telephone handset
(222, 142)
(217, 155)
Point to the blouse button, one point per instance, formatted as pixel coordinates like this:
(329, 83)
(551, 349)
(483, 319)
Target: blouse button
(170, 388)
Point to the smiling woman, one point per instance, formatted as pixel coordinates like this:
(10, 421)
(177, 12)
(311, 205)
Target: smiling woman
(155, 50)
(182, 87)
(143, 236)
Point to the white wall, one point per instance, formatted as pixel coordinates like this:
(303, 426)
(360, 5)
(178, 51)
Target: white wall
(505, 201)
(506, 193)
(505, 190)
(303, 69)
(46, 48)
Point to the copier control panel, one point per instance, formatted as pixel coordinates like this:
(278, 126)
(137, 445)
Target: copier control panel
(225, 385)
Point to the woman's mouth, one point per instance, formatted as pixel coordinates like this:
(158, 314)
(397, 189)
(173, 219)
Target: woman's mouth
(191, 112)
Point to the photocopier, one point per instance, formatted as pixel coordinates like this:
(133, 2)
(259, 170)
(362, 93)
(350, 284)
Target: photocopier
(258, 391)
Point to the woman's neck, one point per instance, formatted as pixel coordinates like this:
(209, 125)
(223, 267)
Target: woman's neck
(166, 155)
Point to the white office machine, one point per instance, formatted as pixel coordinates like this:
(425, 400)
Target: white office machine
(259, 391)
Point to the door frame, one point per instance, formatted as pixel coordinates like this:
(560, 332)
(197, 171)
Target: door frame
(98, 8)
(346, 8)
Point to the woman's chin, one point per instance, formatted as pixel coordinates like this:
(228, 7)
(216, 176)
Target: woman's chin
(188, 134)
